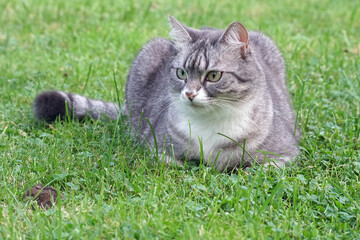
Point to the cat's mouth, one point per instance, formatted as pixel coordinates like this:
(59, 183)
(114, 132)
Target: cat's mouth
(196, 104)
(194, 100)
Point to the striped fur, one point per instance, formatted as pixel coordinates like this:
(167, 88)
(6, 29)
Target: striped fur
(249, 103)
(52, 104)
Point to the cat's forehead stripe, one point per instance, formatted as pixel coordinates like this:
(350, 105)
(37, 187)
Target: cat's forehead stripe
(198, 59)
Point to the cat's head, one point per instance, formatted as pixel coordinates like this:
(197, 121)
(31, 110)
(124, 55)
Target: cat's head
(212, 68)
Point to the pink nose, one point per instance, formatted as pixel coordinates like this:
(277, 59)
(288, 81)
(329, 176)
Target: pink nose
(191, 95)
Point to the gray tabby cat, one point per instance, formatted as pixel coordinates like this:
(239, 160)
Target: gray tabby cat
(202, 83)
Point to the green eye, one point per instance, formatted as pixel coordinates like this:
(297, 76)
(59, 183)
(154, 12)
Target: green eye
(181, 73)
(213, 76)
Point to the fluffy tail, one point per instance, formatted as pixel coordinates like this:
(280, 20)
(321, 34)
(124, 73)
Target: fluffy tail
(52, 104)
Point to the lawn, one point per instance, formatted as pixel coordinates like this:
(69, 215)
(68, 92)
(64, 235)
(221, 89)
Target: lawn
(113, 188)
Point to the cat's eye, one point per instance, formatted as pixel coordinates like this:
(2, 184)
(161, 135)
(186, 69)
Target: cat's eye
(181, 73)
(213, 76)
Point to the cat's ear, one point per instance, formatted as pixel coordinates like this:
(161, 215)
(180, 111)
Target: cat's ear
(236, 36)
(179, 33)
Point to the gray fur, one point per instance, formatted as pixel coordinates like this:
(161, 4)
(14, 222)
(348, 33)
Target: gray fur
(250, 101)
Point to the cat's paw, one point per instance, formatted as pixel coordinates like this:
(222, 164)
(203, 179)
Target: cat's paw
(171, 160)
(278, 163)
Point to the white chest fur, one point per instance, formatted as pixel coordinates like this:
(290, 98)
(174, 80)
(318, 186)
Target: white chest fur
(207, 126)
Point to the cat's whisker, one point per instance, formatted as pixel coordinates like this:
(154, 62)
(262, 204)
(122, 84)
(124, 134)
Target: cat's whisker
(225, 106)
(214, 111)
(168, 106)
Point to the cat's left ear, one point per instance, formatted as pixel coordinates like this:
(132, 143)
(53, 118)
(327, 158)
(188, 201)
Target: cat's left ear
(180, 34)
(236, 36)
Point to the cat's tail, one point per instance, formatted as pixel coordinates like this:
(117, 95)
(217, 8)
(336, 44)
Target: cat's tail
(52, 104)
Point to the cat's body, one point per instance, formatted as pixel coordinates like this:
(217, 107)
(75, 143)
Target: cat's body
(202, 83)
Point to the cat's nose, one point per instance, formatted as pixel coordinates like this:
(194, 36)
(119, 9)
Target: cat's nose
(191, 95)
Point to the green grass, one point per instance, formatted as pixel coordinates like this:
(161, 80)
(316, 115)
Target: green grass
(113, 188)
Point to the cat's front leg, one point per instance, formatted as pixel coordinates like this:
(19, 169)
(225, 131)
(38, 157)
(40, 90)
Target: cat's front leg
(280, 162)
(223, 160)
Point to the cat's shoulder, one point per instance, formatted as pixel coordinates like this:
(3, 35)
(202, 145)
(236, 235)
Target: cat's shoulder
(152, 56)
(266, 48)
(261, 40)
(157, 47)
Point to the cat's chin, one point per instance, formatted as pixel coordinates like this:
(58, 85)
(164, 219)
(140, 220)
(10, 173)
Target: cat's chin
(193, 104)
(194, 107)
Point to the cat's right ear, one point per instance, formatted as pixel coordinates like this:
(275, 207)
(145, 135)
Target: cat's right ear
(179, 33)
